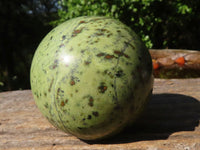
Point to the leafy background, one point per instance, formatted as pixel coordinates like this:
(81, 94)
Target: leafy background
(161, 24)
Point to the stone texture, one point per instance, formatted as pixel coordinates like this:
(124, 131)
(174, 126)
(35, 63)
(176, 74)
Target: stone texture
(170, 121)
(167, 58)
(84, 63)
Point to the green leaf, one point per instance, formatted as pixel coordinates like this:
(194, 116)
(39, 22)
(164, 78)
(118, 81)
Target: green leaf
(114, 8)
(141, 21)
(1, 84)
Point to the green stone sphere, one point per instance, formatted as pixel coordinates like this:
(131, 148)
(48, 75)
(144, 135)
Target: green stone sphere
(91, 77)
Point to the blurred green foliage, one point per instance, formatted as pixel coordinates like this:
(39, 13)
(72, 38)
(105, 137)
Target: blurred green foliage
(159, 23)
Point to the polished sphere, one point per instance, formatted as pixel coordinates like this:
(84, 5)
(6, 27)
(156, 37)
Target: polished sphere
(91, 77)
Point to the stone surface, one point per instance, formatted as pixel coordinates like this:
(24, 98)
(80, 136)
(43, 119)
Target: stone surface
(167, 58)
(174, 63)
(88, 74)
(171, 121)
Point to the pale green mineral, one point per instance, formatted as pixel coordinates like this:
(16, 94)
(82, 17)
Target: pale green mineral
(91, 76)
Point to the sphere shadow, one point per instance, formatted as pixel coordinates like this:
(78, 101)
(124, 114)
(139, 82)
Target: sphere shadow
(164, 115)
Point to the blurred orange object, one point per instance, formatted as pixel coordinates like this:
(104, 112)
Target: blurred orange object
(155, 64)
(180, 61)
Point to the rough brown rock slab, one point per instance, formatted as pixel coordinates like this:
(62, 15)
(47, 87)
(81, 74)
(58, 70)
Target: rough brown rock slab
(167, 58)
(171, 121)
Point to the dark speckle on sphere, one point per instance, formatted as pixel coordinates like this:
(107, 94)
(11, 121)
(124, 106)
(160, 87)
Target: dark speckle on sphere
(89, 117)
(95, 113)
